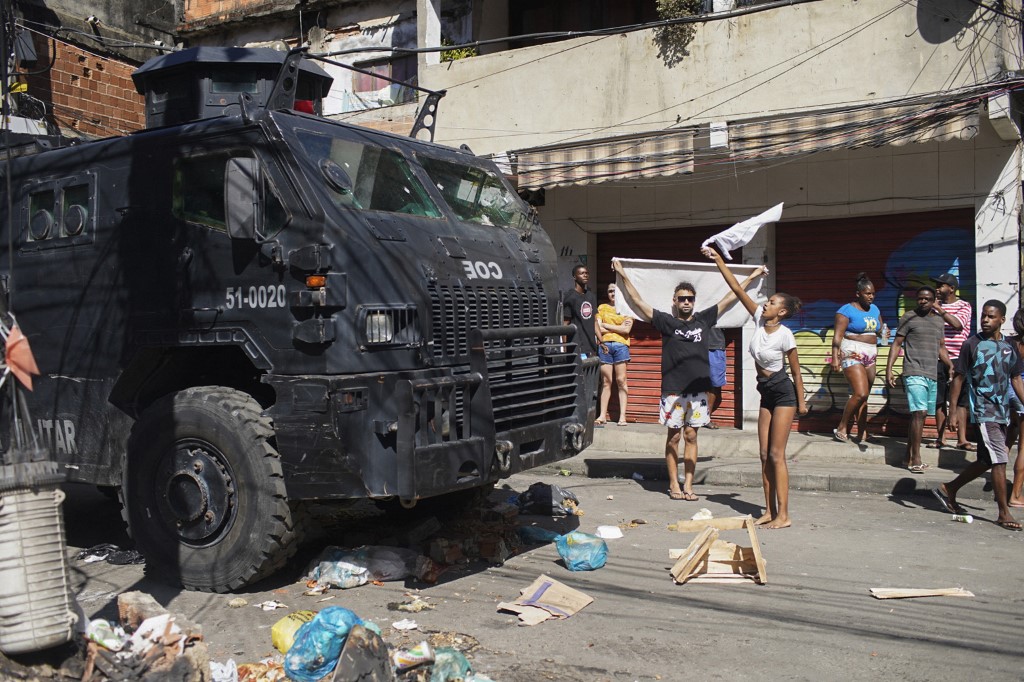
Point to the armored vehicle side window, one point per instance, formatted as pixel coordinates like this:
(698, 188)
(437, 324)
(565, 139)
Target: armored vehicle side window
(41, 219)
(59, 213)
(378, 179)
(199, 193)
(475, 194)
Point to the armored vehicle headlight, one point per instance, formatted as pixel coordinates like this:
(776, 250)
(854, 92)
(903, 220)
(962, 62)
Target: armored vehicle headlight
(392, 326)
(380, 327)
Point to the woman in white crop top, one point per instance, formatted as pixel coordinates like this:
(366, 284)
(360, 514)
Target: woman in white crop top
(781, 399)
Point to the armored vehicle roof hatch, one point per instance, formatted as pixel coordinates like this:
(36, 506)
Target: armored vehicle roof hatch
(206, 82)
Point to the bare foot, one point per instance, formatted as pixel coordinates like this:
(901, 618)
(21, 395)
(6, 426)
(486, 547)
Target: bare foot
(780, 522)
(764, 519)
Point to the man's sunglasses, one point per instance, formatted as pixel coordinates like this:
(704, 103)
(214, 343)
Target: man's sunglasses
(686, 299)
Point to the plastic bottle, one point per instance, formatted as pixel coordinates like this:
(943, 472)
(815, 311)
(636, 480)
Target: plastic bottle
(963, 518)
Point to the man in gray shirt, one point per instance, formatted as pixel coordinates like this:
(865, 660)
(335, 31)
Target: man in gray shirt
(921, 338)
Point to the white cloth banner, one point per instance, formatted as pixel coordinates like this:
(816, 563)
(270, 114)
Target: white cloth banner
(740, 234)
(656, 280)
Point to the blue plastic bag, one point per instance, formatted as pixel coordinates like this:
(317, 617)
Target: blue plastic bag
(318, 644)
(581, 551)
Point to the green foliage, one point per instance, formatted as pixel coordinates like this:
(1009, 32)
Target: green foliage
(674, 39)
(458, 53)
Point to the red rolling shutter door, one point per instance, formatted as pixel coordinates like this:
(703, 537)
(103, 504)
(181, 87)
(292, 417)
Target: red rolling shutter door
(819, 260)
(644, 371)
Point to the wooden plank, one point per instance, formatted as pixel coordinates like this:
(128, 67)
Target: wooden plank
(694, 554)
(762, 574)
(726, 523)
(903, 593)
(724, 579)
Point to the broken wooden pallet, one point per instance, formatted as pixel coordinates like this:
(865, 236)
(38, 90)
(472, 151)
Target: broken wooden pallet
(708, 559)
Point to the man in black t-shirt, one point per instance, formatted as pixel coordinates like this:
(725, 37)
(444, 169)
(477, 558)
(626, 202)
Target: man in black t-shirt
(685, 373)
(579, 307)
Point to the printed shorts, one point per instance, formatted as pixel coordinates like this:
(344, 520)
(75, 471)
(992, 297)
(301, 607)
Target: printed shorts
(690, 409)
(921, 392)
(617, 352)
(716, 357)
(992, 443)
(857, 353)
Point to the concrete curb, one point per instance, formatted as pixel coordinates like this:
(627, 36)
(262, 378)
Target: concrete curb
(737, 472)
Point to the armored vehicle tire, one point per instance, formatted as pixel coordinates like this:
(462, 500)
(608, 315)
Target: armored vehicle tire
(203, 491)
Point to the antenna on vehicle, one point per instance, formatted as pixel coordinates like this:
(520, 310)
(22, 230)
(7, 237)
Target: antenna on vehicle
(427, 116)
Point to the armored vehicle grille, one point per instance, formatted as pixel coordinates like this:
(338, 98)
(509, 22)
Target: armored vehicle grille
(456, 310)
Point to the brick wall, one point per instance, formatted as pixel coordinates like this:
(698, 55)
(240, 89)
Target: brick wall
(88, 93)
(203, 11)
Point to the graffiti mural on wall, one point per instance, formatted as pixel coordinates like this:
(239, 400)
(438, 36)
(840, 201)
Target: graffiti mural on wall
(897, 272)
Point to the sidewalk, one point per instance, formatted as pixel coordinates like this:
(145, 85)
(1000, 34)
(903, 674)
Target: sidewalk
(729, 458)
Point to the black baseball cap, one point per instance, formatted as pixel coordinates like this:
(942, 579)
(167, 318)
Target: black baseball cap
(946, 278)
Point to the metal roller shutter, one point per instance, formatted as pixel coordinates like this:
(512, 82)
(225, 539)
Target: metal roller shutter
(818, 261)
(644, 373)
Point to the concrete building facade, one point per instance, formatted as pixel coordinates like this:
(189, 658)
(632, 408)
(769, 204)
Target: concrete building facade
(890, 131)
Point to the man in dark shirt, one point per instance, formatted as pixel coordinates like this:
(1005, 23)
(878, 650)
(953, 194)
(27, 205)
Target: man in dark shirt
(990, 367)
(920, 336)
(579, 308)
(685, 373)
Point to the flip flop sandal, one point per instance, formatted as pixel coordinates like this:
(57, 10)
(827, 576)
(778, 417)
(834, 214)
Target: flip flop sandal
(1009, 525)
(943, 500)
(841, 437)
(916, 468)
(969, 447)
(621, 423)
(935, 445)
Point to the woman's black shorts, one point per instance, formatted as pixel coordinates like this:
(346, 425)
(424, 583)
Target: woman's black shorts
(776, 391)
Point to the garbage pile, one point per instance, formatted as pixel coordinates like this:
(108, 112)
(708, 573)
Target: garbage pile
(334, 643)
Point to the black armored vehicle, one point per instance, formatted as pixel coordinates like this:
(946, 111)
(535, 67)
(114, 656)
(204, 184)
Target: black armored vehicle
(246, 305)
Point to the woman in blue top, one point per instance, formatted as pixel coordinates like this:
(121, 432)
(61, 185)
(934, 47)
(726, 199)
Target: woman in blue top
(854, 351)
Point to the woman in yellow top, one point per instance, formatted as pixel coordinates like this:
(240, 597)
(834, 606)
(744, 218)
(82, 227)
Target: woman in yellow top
(613, 330)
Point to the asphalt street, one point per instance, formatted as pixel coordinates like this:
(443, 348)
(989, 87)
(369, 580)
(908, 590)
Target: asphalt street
(814, 619)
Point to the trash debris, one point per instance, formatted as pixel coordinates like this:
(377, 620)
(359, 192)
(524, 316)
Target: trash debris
(450, 665)
(267, 670)
(407, 659)
(549, 500)
(582, 551)
(535, 535)
(638, 522)
(610, 497)
(608, 532)
(224, 672)
(546, 598)
(112, 554)
(282, 634)
(270, 605)
(415, 605)
(105, 634)
(564, 472)
(903, 593)
(405, 624)
(318, 644)
(364, 658)
(237, 603)
(346, 568)
(637, 476)
(703, 514)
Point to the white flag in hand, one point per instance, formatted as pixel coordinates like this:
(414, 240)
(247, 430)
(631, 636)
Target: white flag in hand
(740, 234)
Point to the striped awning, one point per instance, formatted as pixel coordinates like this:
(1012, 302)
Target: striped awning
(859, 127)
(672, 152)
(617, 158)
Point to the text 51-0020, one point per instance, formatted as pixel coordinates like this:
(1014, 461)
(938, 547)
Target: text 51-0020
(272, 296)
